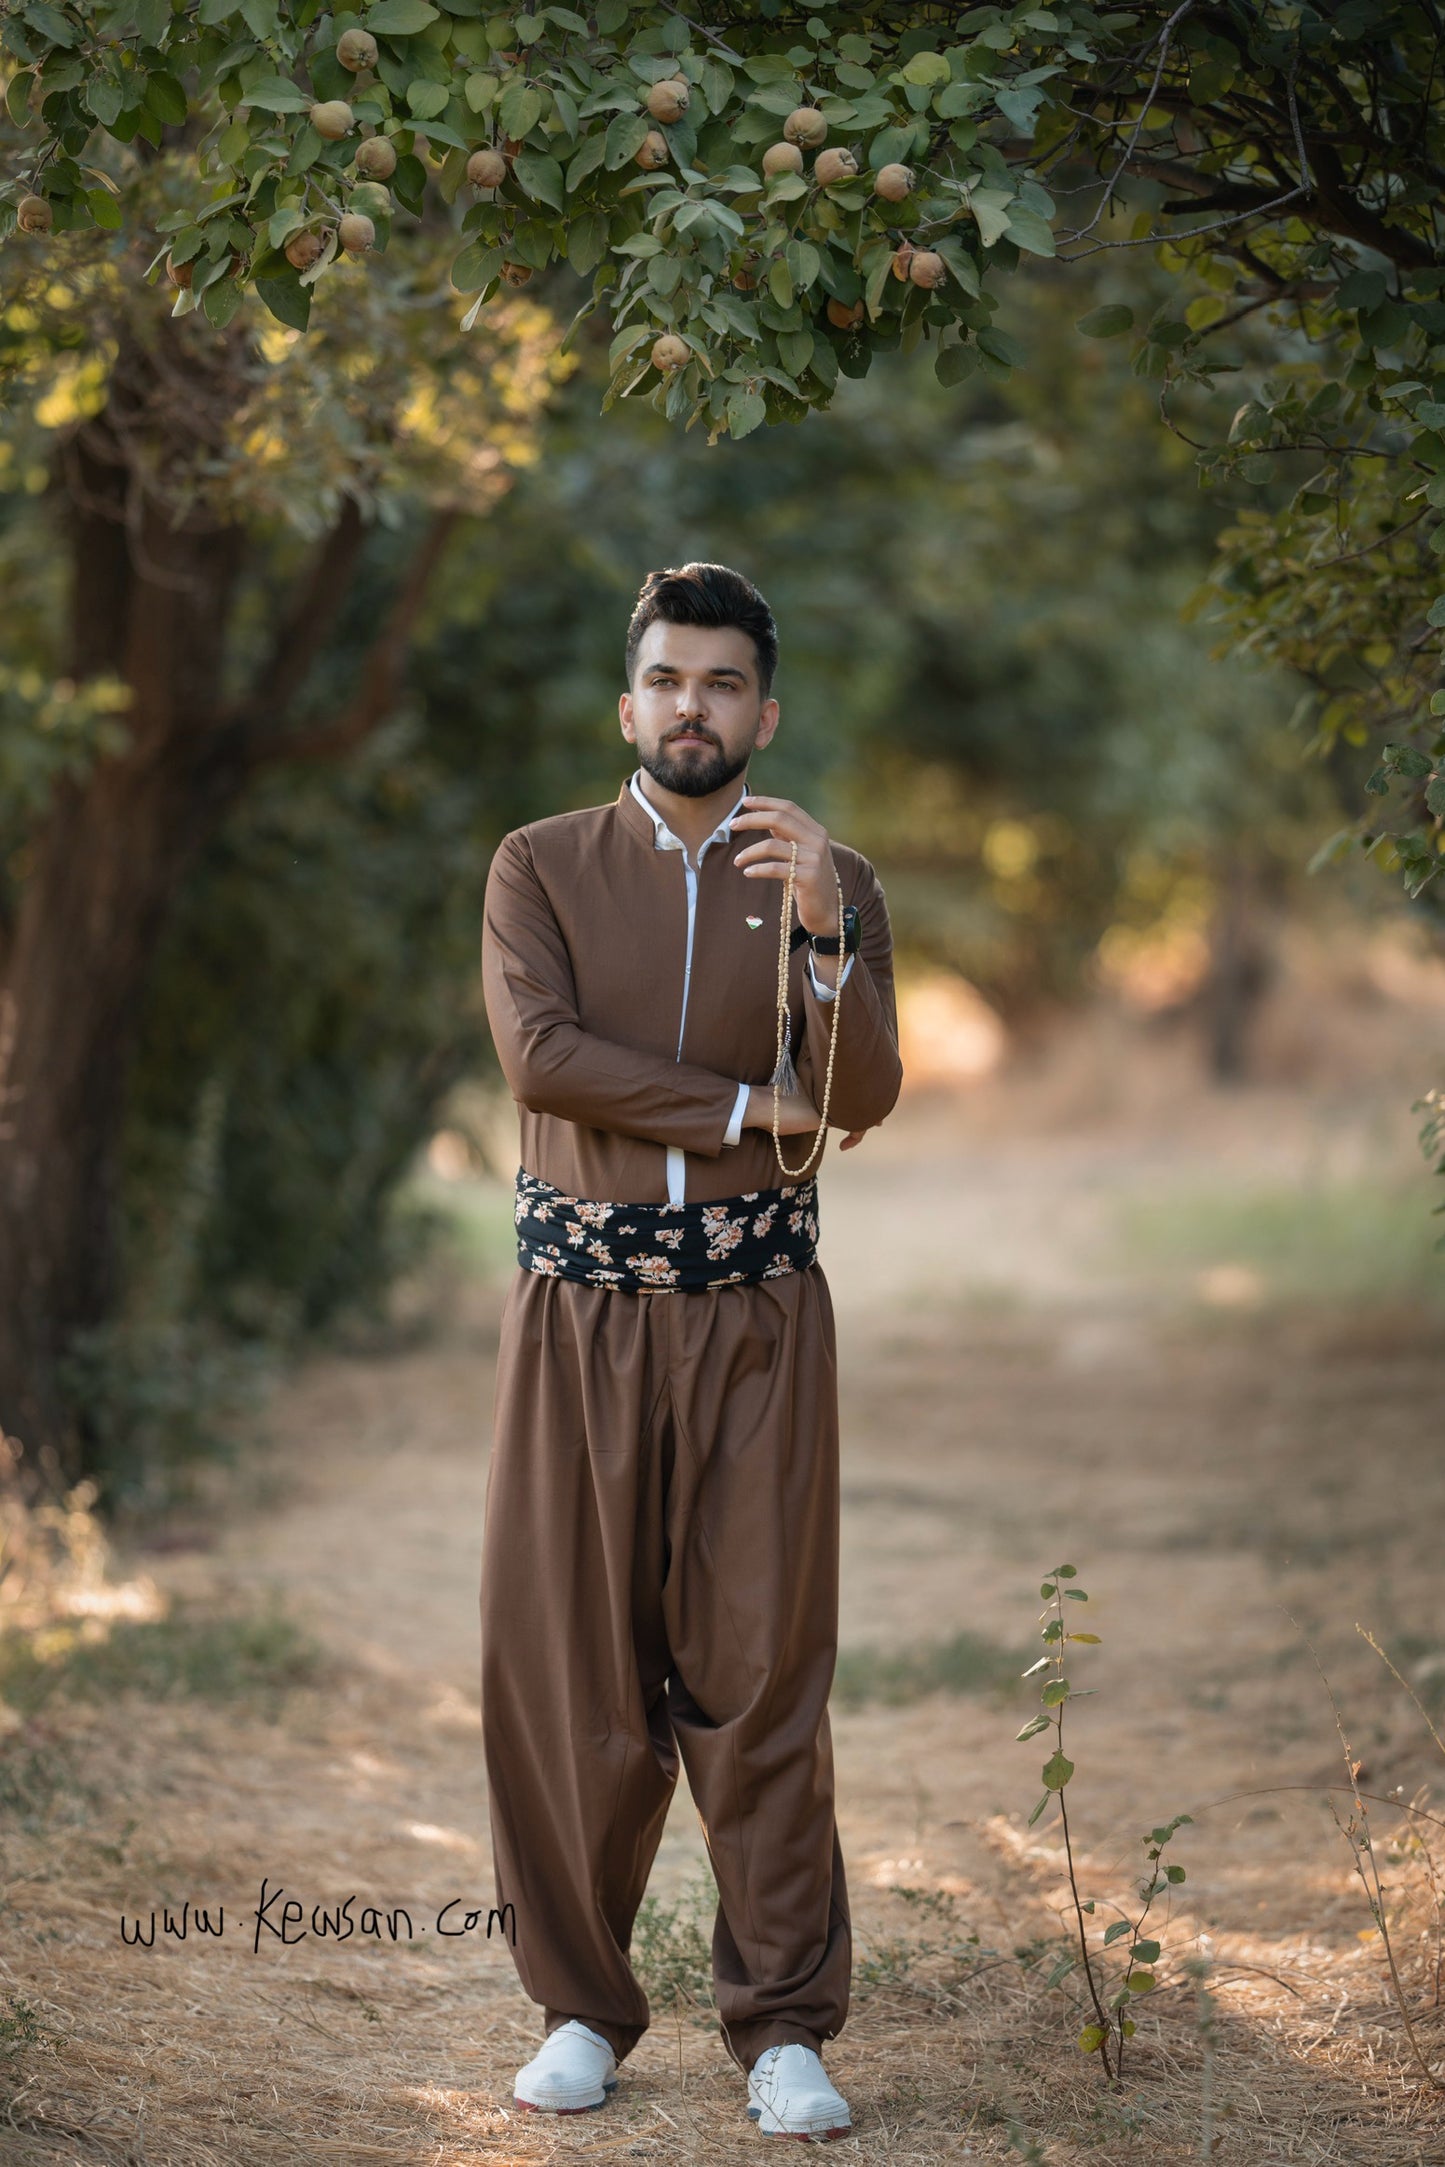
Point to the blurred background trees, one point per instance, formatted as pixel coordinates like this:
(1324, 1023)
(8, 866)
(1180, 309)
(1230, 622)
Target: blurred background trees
(1075, 647)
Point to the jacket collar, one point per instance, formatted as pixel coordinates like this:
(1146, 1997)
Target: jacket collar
(647, 822)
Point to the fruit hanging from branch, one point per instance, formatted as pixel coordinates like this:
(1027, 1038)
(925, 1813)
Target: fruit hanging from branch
(893, 183)
(782, 158)
(376, 158)
(834, 165)
(670, 352)
(357, 49)
(925, 268)
(356, 233)
(332, 118)
(486, 169)
(668, 100)
(34, 215)
(806, 126)
(304, 249)
(652, 151)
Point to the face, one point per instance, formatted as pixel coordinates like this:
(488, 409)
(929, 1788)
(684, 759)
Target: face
(694, 711)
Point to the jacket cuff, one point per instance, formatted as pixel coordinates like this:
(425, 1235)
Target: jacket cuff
(826, 993)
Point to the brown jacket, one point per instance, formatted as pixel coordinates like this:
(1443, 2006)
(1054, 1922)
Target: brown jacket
(583, 948)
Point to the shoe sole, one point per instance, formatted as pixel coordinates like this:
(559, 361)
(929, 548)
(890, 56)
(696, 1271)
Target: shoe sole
(801, 2136)
(536, 2106)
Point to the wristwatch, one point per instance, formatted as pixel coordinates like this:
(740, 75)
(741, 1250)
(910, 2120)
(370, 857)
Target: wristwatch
(826, 944)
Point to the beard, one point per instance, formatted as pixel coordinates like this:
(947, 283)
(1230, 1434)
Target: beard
(693, 771)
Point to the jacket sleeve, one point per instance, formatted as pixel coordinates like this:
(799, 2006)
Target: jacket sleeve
(551, 1064)
(867, 1071)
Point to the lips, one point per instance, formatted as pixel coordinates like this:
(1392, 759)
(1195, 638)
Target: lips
(689, 738)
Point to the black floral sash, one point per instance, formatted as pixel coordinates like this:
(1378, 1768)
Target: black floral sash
(677, 1247)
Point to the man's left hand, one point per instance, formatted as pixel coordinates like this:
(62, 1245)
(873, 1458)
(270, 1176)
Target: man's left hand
(816, 885)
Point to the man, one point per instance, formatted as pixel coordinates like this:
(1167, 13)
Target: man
(660, 1557)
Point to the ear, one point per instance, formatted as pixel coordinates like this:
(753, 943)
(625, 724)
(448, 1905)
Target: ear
(624, 713)
(768, 715)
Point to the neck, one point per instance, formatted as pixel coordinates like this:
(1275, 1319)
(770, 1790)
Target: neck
(692, 819)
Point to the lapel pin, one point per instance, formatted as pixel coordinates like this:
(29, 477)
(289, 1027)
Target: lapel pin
(755, 923)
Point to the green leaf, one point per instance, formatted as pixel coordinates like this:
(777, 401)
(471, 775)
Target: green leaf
(1034, 1668)
(481, 90)
(221, 302)
(625, 137)
(1057, 1770)
(745, 411)
(166, 98)
(1090, 1640)
(1091, 2038)
(427, 101)
(1032, 1728)
(586, 159)
(520, 108)
(1043, 1802)
(274, 94)
(1117, 1931)
(929, 68)
(51, 24)
(1055, 1693)
(1434, 789)
(1140, 1982)
(399, 18)
(803, 262)
(955, 362)
(474, 266)
(587, 242)
(103, 208)
(1108, 321)
(780, 282)
(287, 299)
(1146, 1952)
(1030, 231)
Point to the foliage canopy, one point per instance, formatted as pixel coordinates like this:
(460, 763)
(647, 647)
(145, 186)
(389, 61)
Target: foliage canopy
(1285, 162)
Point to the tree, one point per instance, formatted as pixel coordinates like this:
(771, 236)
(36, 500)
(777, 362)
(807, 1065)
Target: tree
(211, 492)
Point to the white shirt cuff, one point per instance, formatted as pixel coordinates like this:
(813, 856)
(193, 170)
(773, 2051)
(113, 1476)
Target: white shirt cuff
(826, 993)
(733, 1133)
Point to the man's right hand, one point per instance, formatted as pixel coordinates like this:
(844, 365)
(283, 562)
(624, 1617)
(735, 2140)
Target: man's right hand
(797, 1115)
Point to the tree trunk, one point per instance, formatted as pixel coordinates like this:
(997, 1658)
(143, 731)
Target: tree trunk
(1241, 965)
(152, 604)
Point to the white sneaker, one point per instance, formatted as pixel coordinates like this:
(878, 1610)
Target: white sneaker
(574, 2071)
(789, 2095)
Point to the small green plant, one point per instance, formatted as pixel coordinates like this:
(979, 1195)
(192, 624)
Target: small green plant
(1110, 1992)
(19, 2029)
(672, 1945)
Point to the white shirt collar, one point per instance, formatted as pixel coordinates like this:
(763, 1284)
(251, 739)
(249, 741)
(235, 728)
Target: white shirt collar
(663, 837)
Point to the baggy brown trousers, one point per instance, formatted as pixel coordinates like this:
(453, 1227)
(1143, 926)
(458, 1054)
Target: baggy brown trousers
(660, 1578)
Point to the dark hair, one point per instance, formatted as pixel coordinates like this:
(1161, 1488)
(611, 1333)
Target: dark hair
(706, 594)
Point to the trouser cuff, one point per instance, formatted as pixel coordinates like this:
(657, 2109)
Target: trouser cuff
(622, 2038)
(745, 2042)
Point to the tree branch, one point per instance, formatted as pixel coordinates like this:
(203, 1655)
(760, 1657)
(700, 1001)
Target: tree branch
(301, 631)
(381, 668)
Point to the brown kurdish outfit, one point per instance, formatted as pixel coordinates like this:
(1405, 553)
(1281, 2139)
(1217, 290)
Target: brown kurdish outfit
(660, 1553)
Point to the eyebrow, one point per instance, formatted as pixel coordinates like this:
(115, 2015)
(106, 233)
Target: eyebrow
(718, 669)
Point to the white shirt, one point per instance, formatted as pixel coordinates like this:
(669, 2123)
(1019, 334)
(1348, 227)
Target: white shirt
(664, 839)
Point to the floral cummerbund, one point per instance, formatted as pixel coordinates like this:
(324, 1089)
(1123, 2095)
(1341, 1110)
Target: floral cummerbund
(681, 1247)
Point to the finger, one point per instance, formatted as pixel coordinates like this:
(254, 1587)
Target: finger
(807, 859)
(772, 868)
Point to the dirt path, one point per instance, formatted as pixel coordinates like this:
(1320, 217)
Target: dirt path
(1230, 1471)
